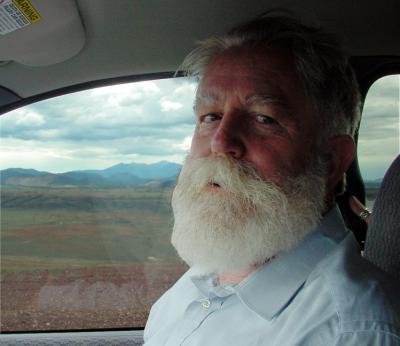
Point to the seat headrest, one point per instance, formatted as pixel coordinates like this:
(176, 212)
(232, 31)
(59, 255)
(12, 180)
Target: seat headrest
(382, 245)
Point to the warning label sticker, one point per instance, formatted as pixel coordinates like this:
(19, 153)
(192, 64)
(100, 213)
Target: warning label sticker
(16, 14)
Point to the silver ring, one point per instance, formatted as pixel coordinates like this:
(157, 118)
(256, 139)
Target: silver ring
(365, 214)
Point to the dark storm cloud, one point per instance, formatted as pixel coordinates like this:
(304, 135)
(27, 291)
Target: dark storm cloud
(124, 111)
(380, 117)
(378, 142)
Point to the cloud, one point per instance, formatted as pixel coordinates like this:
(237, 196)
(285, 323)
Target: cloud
(104, 112)
(142, 121)
(22, 118)
(378, 142)
(168, 105)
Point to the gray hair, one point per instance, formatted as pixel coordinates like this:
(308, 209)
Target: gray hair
(322, 66)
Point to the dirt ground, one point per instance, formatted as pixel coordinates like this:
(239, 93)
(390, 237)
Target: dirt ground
(77, 298)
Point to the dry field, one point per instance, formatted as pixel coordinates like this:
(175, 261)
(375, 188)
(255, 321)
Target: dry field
(84, 258)
(95, 298)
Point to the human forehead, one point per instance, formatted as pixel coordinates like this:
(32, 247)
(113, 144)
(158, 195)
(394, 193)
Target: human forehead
(256, 75)
(211, 97)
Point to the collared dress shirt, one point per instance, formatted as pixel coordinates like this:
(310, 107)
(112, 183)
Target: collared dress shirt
(320, 293)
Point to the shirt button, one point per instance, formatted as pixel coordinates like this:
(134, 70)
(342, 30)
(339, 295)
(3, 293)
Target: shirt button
(206, 304)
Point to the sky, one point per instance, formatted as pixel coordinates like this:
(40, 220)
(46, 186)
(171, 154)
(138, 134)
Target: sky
(153, 121)
(378, 142)
(143, 122)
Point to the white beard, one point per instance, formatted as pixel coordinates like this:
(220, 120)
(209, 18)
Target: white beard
(245, 221)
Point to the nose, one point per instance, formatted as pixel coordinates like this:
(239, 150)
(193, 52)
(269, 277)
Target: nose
(227, 139)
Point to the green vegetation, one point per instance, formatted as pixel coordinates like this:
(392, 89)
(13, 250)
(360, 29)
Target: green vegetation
(54, 229)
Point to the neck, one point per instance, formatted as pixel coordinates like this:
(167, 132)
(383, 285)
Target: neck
(237, 277)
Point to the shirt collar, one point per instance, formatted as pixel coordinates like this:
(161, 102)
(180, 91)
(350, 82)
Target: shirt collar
(268, 290)
(209, 286)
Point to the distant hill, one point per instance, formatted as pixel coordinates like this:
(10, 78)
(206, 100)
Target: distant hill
(161, 175)
(159, 170)
(373, 184)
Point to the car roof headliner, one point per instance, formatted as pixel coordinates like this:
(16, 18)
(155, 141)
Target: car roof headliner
(124, 37)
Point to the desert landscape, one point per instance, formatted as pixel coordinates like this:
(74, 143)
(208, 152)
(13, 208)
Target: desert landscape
(84, 258)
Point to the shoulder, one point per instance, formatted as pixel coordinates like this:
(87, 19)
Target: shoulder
(171, 304)
(368, 337)
(179, 294)
(366, 300)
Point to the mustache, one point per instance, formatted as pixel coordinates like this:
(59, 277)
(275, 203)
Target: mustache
(229, 181)
(220, 171)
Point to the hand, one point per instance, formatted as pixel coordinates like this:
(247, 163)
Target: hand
(359, 209)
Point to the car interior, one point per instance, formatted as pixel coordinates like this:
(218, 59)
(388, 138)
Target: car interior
(65, 46)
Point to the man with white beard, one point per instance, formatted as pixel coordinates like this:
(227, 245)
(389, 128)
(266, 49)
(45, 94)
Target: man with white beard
(255, 218)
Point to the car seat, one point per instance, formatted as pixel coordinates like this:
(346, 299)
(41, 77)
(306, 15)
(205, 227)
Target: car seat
(382, 245)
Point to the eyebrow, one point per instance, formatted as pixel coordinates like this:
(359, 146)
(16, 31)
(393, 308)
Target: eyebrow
(252, 100)
(205, 98)
(263, 99)
(209, 99)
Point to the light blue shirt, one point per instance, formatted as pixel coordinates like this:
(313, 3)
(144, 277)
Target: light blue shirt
(320, 293)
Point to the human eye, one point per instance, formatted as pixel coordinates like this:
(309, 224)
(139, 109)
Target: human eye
(265, 119)
(210, 118)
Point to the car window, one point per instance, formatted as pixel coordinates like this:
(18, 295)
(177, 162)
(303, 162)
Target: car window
(378, 141)
(86, 182)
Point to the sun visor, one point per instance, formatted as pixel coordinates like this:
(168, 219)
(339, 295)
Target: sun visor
(40, 32)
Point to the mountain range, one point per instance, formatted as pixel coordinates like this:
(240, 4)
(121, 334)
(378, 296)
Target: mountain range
(158, 175)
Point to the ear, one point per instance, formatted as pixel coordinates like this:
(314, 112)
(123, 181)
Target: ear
(341, 150)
